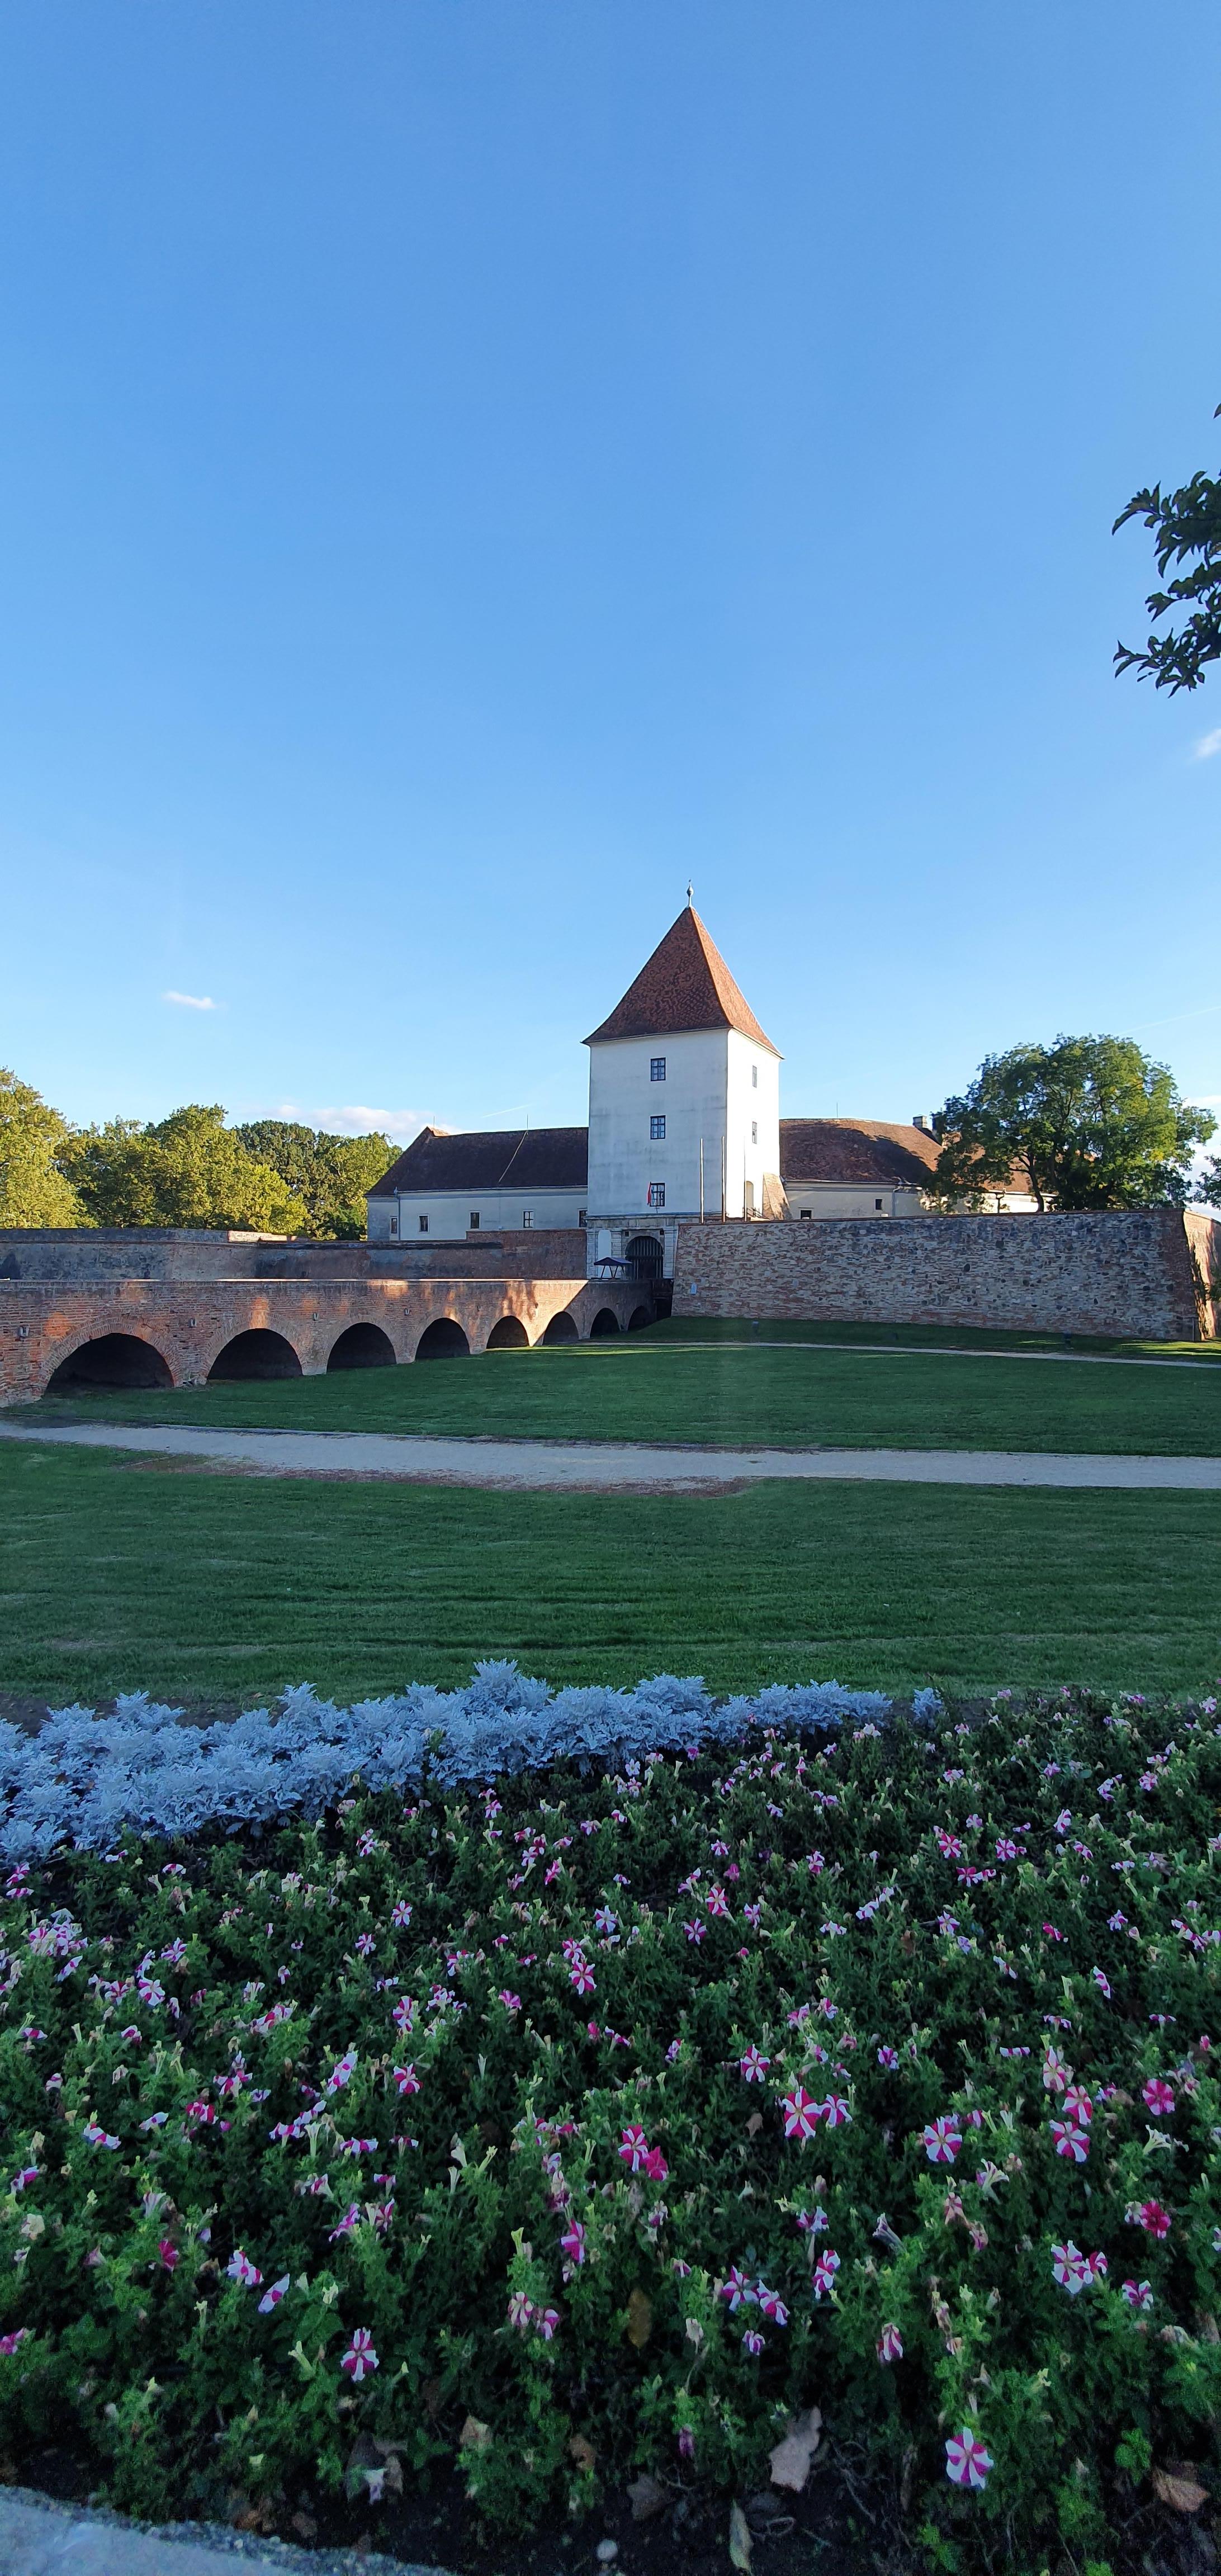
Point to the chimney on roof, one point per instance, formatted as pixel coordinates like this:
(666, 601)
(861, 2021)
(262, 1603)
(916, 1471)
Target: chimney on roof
(918, 1120)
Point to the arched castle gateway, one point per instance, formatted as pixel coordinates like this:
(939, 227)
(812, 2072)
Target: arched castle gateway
(684, 1125)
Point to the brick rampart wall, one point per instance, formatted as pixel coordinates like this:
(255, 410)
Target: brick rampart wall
(1143, 1274)
(189, 1322)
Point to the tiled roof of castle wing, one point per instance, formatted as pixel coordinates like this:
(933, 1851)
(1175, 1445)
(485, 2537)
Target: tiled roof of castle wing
(854, 1151)
(526, 1158)
(685, 984)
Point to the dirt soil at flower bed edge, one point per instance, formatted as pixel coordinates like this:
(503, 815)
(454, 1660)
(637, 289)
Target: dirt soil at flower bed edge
(791, 2535)
(828, 2530)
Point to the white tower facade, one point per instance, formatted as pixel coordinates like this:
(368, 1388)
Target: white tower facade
(684, 1105)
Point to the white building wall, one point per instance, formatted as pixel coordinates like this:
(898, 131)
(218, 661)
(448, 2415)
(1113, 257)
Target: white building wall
(719, 1091)
(449, 1213)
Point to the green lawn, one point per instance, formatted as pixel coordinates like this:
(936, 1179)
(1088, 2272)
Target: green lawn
(665, 1386)
(116, 1574)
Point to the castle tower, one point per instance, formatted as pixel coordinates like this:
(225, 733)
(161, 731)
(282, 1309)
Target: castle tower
(684, 1105)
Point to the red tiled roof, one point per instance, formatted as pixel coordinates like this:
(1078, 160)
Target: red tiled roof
(528, 1158)
(855, 1150)
(686, 984)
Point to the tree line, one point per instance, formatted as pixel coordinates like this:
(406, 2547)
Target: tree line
(272, 1176)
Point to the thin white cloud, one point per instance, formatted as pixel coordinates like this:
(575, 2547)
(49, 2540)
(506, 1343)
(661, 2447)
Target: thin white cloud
(363, 1121)
(1208, 745)
(192, 1001)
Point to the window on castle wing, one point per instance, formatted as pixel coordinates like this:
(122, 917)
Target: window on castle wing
(527, 1216)
(657, 1130)
(394, 1225)
(423, 1225)
(877, 1203)
(657, 1194)
(754, 1131)
(474, 1221)
(754, 1077)
(657, 1068)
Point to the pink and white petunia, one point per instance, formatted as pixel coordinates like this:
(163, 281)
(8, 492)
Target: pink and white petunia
(890, 2344)
(1159, 2096)
(752, 2341)
(739, 2291)
(835, 2111)
(1070, 2141)
(941, 2140)
(772, 2305)
(1139, 2294)
(824, 2272)
(1069, 2267)
(753, 2066)
(360, 2358)
(545, 2321)
(240, 2268)
(271, 2298)
(801, 2113)
(634, 2148)
(967, 2463)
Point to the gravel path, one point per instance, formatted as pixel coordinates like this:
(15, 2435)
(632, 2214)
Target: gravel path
(38, 2538)
(589, 1465)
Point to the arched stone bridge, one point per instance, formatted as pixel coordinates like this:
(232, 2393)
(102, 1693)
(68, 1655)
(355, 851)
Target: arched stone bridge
(180, 1332)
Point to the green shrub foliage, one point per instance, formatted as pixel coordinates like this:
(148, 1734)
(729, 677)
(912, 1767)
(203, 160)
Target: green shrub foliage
(605, 2121)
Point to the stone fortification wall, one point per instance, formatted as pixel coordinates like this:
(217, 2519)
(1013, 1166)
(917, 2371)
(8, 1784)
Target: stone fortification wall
(81, 1254)
(1153, 1275)
(188, 1323)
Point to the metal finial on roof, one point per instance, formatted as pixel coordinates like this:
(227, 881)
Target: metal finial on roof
(690, 891)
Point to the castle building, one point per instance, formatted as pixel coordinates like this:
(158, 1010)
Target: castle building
(684, 1126)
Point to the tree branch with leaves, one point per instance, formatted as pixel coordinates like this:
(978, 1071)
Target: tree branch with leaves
(1187, 524)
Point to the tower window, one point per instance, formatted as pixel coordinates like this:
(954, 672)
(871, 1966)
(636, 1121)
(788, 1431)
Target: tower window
(754, 1131)
(657, 1194)
(657, 1130)
(423, 1225)
(474, 1220)
(394, 1225)
(754, 1077)
(527, 1217)
(877, 1203)
(657, 1068)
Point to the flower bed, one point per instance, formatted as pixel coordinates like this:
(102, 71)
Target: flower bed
(600, 2122)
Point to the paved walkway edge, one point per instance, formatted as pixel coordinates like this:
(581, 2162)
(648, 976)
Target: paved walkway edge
(40, 2538)
(540, 1464)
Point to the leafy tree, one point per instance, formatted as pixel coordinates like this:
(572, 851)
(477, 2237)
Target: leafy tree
(188, 1169)
(1086, 1123)
(1188, 523)
(330, 1173)
(33, 1188)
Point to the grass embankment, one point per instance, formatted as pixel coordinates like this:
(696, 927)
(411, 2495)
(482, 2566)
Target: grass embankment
(665, 1387)
(117, 1574)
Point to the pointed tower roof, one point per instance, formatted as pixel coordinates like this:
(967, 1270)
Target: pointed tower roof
(685, 984)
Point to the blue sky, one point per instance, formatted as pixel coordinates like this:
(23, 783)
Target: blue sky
(468, 465)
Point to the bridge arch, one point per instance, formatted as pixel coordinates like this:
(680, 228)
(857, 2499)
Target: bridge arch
(639, 1317)
(109, 1360)
(604, 1324)
(508, 1333)
(257, 1353)
(443, 1340)
(562, 1328)
(362, 1346)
